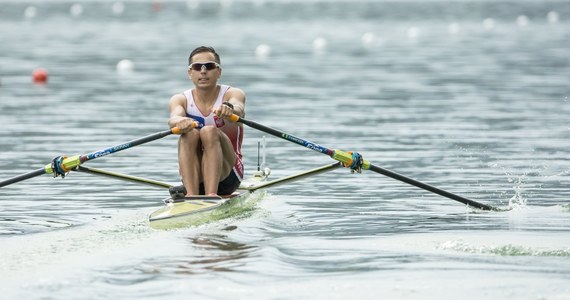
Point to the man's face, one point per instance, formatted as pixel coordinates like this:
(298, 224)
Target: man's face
(204, 75)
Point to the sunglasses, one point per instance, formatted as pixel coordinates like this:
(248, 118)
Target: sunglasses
(200, 66)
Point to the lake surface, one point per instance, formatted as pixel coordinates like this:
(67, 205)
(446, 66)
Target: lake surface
(468, 96)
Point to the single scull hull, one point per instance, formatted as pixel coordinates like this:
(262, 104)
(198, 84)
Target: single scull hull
(196, 210)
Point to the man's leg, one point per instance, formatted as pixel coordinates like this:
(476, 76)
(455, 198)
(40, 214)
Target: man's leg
(218, 157)
(189, 154)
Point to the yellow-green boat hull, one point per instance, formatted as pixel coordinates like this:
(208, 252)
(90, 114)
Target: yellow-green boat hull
(196, 210)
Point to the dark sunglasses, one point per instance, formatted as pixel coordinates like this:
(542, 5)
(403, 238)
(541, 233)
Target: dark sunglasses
(199, 66)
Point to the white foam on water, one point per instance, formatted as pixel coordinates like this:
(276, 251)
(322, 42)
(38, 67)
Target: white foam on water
(54, 259)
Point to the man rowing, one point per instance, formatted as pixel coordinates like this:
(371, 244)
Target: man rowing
(209, 154)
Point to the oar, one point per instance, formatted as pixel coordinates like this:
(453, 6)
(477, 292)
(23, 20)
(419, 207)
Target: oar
(292, 178)
(349, 159)
(125, 177)
(64, 165)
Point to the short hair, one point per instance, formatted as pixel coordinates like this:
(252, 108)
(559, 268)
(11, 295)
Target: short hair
(202, 49)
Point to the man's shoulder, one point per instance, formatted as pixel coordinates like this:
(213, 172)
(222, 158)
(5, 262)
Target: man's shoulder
(180, 98)
(232, 90)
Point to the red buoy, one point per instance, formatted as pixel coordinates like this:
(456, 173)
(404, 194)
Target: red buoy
(156, 6)
(39, 75)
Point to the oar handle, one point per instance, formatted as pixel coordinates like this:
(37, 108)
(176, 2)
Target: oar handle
(235, 118)
(176, 130)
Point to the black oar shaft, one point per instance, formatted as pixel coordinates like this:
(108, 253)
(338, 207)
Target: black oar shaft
(19, 178)
(430, 188)
(285, 136)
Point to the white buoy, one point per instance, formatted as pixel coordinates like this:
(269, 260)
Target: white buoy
(489, 24)
(319, 45)
(368, 39)
(552, 17)
(30, 12)
(226, 4)
(453, 29)
(125, 67)
(76, 10)
(522, 21)
(413, 33)
(262, 51)
(118, 8)
(193, 4)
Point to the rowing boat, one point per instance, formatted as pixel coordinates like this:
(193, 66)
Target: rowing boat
(182, 211)
(187, 211)
(195, 210)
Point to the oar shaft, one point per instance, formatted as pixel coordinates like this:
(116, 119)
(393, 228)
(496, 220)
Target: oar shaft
(294, 177)
(428, 187)
(22, 177)
(124, 177)
(127, 145)
(283, 135)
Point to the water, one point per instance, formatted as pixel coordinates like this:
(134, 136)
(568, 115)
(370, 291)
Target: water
(457, 94)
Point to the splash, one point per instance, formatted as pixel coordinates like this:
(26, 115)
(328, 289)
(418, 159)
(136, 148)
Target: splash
(518, 200)
(502, 250)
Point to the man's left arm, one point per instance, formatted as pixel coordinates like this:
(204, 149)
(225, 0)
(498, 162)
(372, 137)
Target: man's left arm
(236, 104)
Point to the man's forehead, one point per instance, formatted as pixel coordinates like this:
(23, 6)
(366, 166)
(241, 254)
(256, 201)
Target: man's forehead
(203, 56)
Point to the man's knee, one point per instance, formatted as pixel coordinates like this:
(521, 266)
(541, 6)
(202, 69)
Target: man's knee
(190, 137)
(209, 134)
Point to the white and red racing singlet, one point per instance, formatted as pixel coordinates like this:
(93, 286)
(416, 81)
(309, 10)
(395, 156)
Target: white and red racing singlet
(233, 130)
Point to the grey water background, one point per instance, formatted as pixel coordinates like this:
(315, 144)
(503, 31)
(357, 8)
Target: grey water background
(469, 96)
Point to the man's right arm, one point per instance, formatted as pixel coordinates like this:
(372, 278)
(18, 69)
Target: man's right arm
(178, 116)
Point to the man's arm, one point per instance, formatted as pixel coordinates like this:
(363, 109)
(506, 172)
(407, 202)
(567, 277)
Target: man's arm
(236, 98)
(178, 116)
